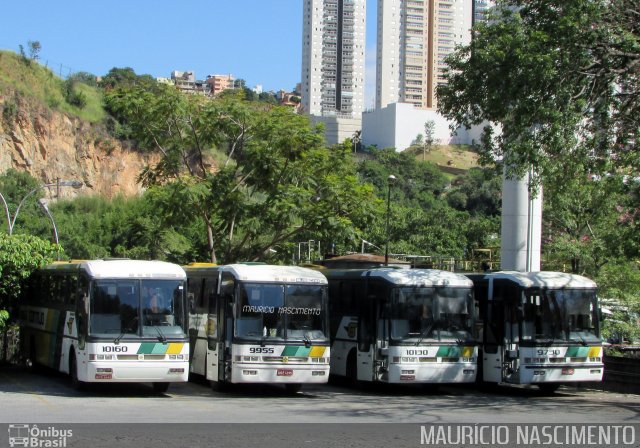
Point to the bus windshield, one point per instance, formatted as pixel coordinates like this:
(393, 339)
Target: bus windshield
(137, 308)
(437, 313)
(567, 315)
(281, 312)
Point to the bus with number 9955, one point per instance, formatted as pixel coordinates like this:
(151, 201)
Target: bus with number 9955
(257, 323)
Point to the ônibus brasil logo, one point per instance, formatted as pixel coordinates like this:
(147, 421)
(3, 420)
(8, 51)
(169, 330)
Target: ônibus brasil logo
(33, 436)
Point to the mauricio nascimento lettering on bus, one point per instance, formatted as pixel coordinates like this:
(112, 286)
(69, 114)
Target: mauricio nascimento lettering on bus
(32, 436)
(281, 310)
(553, 435)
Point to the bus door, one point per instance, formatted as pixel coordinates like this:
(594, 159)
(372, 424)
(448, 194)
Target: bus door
(367, 348)
(225, 318)
(212, 327)
(493, 336)
(502, 358)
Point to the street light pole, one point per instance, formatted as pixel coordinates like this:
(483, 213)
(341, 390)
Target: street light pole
(11, 222)
(6, 209)
(390, 180)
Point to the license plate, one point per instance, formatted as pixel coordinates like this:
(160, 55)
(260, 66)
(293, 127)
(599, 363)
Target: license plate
(284, 372)
(103, 376)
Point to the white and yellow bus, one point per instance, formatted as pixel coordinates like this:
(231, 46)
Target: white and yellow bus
(406, 326)
(256, 323)
(105, 321)
(539, 328)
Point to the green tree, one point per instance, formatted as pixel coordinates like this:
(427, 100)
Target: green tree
(275, 181)
(20, 255)
(559, 79)
(478, 191)
(618, 291)
(124, 76)
(14, 186)
(589, 222)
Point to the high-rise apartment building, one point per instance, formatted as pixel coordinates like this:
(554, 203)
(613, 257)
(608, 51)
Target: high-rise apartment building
(414, 37)
(333, 58)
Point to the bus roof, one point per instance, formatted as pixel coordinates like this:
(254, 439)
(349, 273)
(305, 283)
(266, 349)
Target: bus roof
(407, 277)
(274, 273)
(123, 268)
(544, 279)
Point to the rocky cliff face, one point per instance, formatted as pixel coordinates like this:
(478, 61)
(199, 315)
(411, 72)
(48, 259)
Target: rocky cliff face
(50, 145)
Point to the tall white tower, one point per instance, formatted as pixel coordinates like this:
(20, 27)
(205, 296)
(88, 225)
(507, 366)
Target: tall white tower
(414, 37)
(333, 58)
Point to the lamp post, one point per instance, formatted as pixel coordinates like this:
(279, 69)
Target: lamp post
(11, 222)
(390, 180)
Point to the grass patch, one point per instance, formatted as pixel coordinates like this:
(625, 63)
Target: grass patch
(30, 79)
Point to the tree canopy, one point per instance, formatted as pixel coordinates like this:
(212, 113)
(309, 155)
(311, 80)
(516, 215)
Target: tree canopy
(558, 80)
(255, 176)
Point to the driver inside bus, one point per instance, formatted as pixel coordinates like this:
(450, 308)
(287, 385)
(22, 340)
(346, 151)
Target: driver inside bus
(155, 309)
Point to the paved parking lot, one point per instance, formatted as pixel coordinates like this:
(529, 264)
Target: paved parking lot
(264, 414)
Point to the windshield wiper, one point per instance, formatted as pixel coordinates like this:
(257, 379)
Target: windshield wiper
(581, 340)
(161, 337)
(124, 331)
(426, 332)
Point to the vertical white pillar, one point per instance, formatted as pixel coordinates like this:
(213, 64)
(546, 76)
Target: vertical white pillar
(521, 232)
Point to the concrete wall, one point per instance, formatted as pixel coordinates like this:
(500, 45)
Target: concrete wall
(337, 130)
(398, 125)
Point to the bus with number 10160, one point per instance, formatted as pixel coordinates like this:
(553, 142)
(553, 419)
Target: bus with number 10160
(103, 321)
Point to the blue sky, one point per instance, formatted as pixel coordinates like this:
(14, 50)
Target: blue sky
(257, 40)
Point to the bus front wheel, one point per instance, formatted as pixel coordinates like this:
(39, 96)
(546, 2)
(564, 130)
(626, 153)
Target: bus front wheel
(293, 388)
(160, 388)
(548, 388)
(73, 372)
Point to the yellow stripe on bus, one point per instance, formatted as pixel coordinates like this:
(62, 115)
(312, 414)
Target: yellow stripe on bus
(175, 348)
(595, 352)
(317, 352)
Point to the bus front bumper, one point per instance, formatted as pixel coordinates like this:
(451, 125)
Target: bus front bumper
(280, 373)
(128, 372)
(432, 372)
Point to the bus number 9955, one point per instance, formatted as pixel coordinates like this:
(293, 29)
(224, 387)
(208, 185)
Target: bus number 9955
(261, 350)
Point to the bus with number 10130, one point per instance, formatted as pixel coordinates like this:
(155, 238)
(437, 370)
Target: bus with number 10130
(410, 326)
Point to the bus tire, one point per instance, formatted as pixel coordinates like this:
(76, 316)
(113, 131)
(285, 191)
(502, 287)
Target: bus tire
(352, 369)
(293, 388)
(31, 363)
(160, 388)
(218, 386)
(548, 388)
(73, 372)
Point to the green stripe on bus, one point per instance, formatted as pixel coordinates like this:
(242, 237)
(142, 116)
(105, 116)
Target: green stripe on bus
(294, 350)
(160, 349)
(448, 351)
(146, 348)
(577, 352)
